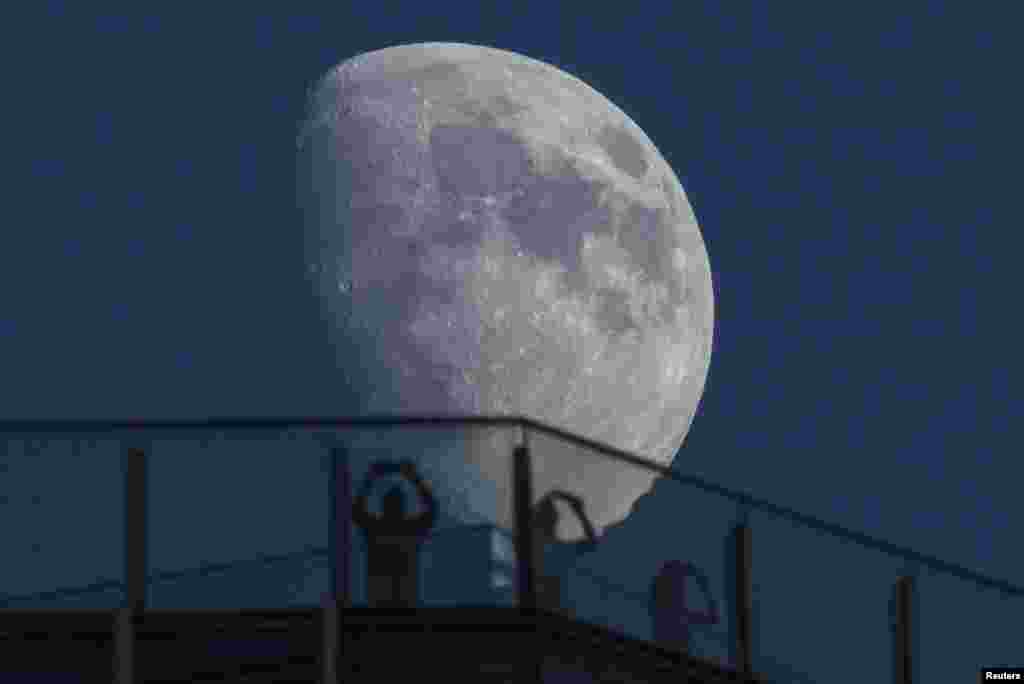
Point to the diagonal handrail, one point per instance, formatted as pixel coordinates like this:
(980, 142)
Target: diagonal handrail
(282, 423)
(164, 576)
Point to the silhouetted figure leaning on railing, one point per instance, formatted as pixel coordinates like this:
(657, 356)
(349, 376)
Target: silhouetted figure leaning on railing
(671, 615)
(552, 557)
(393, 538)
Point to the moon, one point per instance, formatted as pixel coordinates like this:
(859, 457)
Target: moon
(490, 235)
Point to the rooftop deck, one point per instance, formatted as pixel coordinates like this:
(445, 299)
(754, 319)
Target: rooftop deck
(486, 643)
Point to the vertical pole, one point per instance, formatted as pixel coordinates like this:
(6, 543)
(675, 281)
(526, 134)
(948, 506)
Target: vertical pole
(135, 564)
(903, 647)
(744, 607)
(124, 643)
(136, 524)
(343, 526)
(523, 492)
(522, 483)
(339, 562)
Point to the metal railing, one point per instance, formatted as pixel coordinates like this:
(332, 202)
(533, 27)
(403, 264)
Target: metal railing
(741, 640)
(743, 499)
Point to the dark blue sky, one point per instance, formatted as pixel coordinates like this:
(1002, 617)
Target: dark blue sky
(843, 164)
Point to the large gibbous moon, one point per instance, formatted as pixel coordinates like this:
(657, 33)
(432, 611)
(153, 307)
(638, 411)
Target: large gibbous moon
(491, 235)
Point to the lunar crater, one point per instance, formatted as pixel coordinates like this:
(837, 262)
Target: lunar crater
(625, 152)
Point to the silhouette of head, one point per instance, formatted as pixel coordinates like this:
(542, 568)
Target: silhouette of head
(392, 504)
(546, 518)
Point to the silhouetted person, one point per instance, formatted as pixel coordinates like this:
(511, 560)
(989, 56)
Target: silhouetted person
(671, 615)
(393, 538)
(553, 557)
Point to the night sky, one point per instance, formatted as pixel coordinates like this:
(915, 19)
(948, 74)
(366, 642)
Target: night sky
(843, 165)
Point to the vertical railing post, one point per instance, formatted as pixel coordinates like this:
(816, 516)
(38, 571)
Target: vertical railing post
(526, 588)
(903, 647)
(339, 563)
(135, 565)
(523, 492)
(744, 606)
